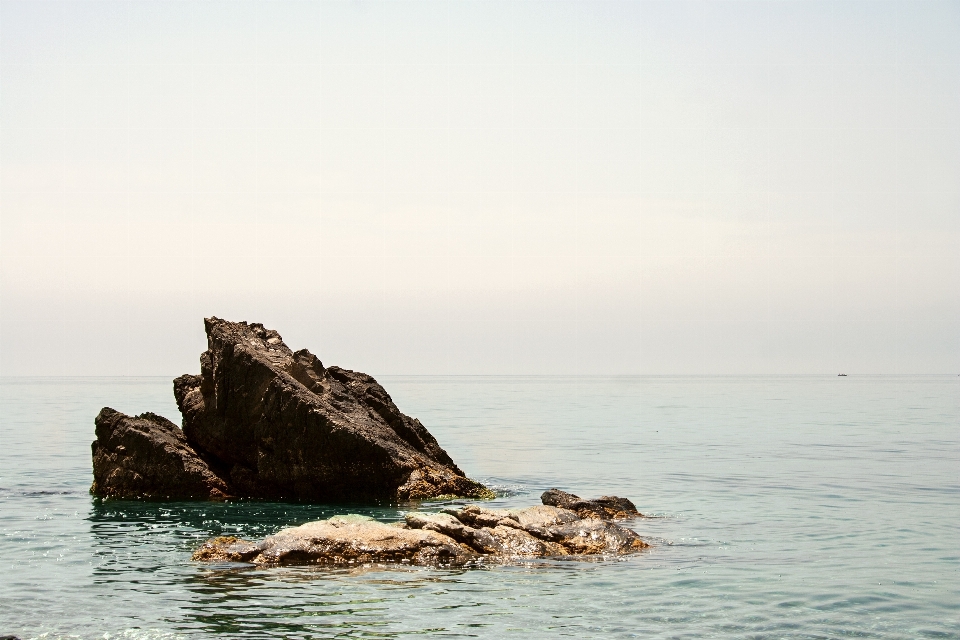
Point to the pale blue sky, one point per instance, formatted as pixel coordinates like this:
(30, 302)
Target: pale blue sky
(483, 187)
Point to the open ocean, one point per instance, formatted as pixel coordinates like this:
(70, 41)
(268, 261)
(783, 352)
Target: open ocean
(780, 507)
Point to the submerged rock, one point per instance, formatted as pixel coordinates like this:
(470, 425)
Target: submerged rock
(148, 456)
(452, 537)
(603, 508)
(264, 421)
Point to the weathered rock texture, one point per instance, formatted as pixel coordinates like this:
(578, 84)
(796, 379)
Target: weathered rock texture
(604, 508)
(281, 424)
(267, 422)
(455, 536)
(148, 456)
(340, 540)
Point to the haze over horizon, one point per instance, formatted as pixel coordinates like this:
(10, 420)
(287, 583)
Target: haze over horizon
(483, 187)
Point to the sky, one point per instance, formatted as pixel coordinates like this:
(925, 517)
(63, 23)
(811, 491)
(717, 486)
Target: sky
(482, 187)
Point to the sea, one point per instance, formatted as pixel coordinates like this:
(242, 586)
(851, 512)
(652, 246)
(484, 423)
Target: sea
(776, 507)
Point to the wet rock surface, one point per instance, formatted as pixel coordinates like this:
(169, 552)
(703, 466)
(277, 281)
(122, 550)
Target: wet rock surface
(604, 508)
(264, 421)
(455, 536)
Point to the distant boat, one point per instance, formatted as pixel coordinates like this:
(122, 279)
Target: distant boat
(843, 375)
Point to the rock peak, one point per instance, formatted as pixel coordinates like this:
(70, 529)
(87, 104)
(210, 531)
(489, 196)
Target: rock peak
(271, 422)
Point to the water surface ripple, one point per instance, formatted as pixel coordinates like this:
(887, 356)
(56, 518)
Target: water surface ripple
(784, 507)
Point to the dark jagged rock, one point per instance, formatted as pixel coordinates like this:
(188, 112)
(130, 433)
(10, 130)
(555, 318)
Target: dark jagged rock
(278, 424)
(266, 422)
(148, 456)
(456, 536)
(603, 508)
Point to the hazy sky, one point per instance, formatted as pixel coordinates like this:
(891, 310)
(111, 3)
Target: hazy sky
(483, 187)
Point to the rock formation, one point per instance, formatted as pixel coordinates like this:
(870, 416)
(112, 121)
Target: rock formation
(148, 456)
(454, 536)
(340, 540)
(264, 421)
(604, 508)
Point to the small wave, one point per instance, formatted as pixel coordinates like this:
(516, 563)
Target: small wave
(132, 634)
(506, 490)
(36, 493)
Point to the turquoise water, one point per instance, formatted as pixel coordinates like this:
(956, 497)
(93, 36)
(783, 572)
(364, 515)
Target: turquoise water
(783, 507)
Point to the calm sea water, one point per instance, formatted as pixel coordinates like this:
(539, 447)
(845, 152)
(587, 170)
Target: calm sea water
(782, 507)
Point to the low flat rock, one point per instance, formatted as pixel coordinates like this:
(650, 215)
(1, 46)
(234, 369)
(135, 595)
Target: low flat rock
(341, 540)
(591, 536)
(147, 456)
(454, 537)
(561, 530)
(603, 508)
